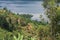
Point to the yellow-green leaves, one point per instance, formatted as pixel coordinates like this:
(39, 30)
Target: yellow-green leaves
(51, 3)
(20, 37)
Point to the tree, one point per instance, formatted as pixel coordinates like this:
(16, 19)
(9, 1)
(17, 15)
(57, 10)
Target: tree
(58, 20)
(26, 18)
(58, 1)
(26, 15)
(50, 6)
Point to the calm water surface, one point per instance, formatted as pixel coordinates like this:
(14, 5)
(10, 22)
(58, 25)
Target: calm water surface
(24, 7)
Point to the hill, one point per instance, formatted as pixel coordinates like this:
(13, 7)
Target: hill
(21, 27)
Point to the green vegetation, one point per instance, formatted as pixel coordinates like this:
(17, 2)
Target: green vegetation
(21, 27)
(53, 14)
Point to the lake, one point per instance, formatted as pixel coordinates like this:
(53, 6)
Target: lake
(24, 7)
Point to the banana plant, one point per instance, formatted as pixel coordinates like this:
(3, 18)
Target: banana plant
(32, 38)
(20, 37)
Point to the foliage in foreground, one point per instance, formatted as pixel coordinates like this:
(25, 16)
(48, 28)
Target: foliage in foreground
(17, 27)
